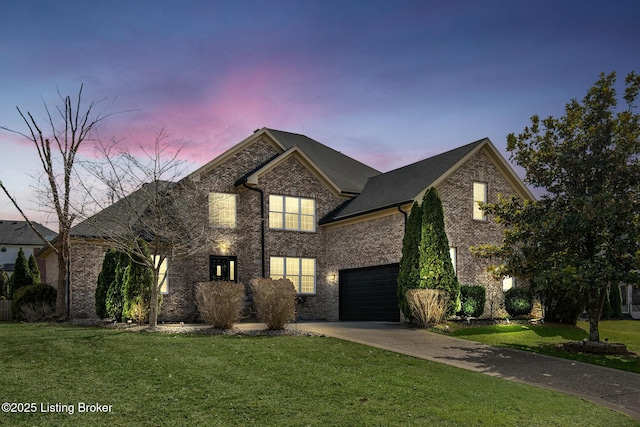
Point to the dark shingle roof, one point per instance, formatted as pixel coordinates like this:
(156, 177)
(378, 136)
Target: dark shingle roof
(347, 173)
(19, 233)
(121, 217)
(401, 185)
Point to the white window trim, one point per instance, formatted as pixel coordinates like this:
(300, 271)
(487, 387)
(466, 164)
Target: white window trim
(299, 276)
(283, 224)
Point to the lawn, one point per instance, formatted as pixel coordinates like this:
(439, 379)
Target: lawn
(545, 338)
(152, 379)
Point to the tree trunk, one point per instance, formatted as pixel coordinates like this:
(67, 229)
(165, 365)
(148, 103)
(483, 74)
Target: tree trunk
(153, 303)
(63, 273)
(595, 302)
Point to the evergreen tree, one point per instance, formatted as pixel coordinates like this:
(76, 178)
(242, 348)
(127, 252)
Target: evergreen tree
(136, 286)
(105, 278)
(34, 269)
(436, 269)
(4, 284)
(114, 293)
(409, 275)
(21, 273)
(615, 298)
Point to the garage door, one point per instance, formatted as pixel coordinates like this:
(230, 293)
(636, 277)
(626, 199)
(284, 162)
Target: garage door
(369, 293)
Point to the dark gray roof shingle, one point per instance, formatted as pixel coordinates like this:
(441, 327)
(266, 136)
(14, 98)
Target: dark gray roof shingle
(401, 185)
(19, 233)
(347, 173)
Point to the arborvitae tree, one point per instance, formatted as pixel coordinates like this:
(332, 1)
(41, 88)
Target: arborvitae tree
(409, 275)
(21, 273)
(34, 269)
(4, 284)
(136, 286)
(114, 293)
(105, 278)
(436, 269)
(615, 298)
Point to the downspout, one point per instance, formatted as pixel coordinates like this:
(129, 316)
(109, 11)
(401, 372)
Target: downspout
(403, 213)
(244, 184)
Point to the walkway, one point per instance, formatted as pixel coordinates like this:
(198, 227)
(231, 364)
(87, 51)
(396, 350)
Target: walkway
(618, 390)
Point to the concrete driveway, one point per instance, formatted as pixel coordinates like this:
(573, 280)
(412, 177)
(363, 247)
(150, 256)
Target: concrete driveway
(612, 388)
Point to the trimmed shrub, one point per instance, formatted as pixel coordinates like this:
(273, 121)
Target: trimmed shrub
(409, 275)
(275, 301)
(105, 278)
(21, 274)
(114, 300)
(472, 298)
(427, 306)
(518, 301)
(137, 281)
(32, 294)
(220, 303)
(37, 312)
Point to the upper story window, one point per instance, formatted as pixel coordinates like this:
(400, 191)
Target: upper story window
(222, 210)
(292, 213)
(479, 196)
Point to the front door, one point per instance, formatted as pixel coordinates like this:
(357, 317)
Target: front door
(222, 268)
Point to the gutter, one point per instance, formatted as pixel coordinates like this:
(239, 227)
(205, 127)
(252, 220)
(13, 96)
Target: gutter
(262, 219)
(403, 213)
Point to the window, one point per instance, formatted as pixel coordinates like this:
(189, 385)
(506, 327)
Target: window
(222, 210)
(453, 253)
(507, 283)
(292, 213)
(479, 196)
(301, 272)
(163, 277)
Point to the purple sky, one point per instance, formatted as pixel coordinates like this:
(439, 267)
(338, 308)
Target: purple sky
(387, 82)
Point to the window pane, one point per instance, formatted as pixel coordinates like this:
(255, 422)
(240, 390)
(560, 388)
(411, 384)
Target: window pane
(292, 204)
(275, 204)
(293, 266)
(275, 220)
(277, 266)
(307, 285)
(308, 206)
(308, 266)
(291, 221)
(306, 223)
(296, 282)
(232, 271)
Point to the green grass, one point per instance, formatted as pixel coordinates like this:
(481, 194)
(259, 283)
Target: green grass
(153, 379)
(545, 338)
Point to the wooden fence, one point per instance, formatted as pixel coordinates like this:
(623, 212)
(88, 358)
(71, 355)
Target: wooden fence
(5, 310)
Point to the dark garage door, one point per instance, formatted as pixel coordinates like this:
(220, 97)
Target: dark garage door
(369, 293)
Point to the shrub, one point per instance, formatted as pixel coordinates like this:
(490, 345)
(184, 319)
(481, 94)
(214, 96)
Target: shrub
(105, 278)
(562, 305)
(518, 301)
(34, 270)
(220, 303)
(37, 312)
(274, 301)
(615, 297)
(472, 298)
(21, 274)
(4, 284)
(427, 306)
(32, 294)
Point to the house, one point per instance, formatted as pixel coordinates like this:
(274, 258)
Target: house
(18, 234)
(281, 204)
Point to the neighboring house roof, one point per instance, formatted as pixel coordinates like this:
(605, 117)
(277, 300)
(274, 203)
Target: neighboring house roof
(406, 184)
(19, 233)
(348, 175)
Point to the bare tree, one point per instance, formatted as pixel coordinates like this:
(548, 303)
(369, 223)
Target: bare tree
(153, 204)
(65, 130)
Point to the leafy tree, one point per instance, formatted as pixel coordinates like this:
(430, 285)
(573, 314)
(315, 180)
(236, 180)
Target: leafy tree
(583, 235)
(409, 275)
(34, 270)
(137, 282)
(21, 273)
(436, 269)
(105, 278)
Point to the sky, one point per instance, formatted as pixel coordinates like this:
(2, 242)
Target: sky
(386, 82)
